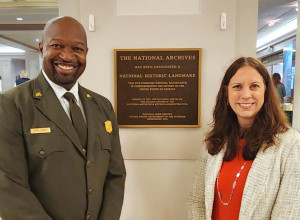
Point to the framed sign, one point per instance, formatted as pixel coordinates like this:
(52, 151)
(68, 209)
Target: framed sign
(0, 84)
(157, 87)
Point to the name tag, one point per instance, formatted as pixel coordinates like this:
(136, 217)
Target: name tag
(40, 130)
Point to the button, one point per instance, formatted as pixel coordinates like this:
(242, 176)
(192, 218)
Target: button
(83, 151)
(88, 217)
(42, 153)
(88, 163)
(90, 191)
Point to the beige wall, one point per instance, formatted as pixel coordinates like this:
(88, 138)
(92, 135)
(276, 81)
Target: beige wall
(159, 161)
(296, 101)
(296, 107)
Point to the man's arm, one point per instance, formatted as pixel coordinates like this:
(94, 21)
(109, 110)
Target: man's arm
(113, 192)
(16, 199)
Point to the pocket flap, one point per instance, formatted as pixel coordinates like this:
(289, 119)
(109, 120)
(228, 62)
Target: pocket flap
(105, 138)
(42, 145)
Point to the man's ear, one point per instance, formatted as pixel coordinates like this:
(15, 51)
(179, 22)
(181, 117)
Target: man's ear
(41, 48)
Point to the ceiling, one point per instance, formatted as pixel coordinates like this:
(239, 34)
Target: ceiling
(277, 11)
(25, 34)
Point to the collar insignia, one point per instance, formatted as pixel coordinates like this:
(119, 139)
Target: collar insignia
(38, 94)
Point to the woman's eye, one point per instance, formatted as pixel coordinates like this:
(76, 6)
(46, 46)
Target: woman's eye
(236, 87)
(254, 86)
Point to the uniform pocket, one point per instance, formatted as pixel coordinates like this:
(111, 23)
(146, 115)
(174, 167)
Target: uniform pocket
(104, 138)
(43, 145)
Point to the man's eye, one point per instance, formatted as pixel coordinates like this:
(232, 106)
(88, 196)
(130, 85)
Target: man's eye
(56, 45)
(78, 49)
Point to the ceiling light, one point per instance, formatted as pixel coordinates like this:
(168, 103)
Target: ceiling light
(37, 40)
(20, 19)
(287, 49)
(271, 23)
(7, 49)
(277, 33)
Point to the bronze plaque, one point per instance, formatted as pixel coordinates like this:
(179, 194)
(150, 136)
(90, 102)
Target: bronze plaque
(157, 87)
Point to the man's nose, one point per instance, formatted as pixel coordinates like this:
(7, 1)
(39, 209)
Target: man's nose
(67, 54)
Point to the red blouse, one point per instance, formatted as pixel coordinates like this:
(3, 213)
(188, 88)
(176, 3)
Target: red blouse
(227, 176)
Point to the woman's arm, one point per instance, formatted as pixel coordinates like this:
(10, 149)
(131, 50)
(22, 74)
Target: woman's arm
(287, 203)
(196, 200)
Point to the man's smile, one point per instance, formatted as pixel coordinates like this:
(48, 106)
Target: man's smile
(65, 68)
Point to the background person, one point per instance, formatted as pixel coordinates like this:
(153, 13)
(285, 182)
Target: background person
(51, 168)
(23, 78)
(251, 168)
(279, 86)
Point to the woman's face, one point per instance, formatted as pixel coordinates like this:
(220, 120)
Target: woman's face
(246, 90)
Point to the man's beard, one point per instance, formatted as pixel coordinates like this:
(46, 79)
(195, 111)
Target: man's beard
(69, 79)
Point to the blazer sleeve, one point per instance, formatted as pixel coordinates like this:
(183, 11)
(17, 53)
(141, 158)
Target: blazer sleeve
(196, 199)
(287, 204)
(115, 180)
(17, 201)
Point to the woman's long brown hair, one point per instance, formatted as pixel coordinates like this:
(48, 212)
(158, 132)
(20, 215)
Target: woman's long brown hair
(269, 121)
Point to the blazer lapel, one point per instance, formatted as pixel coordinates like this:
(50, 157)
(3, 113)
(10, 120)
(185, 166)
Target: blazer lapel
(213, 166)
(47, 102)
(256, 182)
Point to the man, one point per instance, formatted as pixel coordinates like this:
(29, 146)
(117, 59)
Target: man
(47, 170)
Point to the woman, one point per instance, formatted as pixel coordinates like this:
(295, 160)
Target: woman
(279, 86)
(251, 168)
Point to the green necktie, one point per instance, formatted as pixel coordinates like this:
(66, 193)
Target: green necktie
(77, 119)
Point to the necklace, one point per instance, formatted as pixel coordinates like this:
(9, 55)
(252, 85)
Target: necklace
(233, 185)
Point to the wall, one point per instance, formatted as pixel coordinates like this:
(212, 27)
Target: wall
(296, 107)
(11, 65)
(246, 20)
(5, 67)
(17, 65)
(159, 161)
(7, 70)
(32, 63)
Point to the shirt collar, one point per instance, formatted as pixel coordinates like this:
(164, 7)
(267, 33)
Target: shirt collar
(59, 90)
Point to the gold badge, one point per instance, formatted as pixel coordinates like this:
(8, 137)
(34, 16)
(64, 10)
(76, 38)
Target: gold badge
(108, 126)
(38, 94)
(88, 96)
(40, 130)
